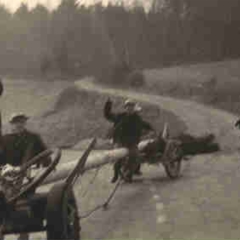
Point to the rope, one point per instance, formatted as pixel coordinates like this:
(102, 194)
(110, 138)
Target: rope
(91, 182)
(104, 205)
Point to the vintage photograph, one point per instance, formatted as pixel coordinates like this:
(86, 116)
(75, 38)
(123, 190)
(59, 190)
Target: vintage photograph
(119, 119)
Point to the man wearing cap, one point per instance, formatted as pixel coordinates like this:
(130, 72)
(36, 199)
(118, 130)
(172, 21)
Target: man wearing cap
(127, 130)
(21, 145)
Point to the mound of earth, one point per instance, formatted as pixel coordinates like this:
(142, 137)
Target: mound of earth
(78, 115)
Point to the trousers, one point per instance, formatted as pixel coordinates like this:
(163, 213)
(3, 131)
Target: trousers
(131, 164)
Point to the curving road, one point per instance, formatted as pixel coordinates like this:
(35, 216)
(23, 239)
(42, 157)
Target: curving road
(198, 118)
(202, 204)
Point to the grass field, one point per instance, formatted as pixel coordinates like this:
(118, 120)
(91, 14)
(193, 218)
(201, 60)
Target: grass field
(216, 84)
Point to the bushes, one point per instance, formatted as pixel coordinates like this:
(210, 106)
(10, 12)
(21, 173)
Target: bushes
(121, 74)
(114, 74)
(136, 79)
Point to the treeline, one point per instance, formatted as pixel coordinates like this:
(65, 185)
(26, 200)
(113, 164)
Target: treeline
(76, 40)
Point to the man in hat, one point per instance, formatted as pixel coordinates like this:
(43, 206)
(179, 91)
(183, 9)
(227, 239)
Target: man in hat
(127, 130)
(21, 145)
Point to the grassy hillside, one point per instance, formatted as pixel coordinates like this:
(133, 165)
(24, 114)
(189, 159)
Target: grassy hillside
(31, 97)
(216, 84)
(64, 115)
(78, 115)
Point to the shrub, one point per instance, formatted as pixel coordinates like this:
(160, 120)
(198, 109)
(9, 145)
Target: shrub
(115, 74)
(136, 79)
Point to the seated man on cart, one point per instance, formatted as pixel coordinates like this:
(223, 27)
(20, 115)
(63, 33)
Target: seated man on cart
(20, 146)
(127, 131)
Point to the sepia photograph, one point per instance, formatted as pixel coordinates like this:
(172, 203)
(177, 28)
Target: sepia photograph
(119, 119)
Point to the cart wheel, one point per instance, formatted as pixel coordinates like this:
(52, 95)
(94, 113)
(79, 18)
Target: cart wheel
(173, 169)
(62, 214)
(173, 156)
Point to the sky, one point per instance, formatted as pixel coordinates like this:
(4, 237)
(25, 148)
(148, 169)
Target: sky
(14, 4)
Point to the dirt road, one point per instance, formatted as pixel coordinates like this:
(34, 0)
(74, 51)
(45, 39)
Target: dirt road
(202, 204)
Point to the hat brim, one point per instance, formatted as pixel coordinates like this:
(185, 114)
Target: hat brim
(129, 105)
(19, 119)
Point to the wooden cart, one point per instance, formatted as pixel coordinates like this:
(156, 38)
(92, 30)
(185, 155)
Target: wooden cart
(22, 210)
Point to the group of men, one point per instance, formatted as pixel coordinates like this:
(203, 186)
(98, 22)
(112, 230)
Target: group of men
(21, 145)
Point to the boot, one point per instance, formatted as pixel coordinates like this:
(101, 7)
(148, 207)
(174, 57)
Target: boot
(116, 171)
(129, 178)
(114, 179)
(138, 170)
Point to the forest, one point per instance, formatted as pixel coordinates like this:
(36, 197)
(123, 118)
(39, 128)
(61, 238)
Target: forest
(77, 40)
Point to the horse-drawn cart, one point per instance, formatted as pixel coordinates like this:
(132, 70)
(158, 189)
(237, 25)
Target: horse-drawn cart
(166, 152)
(23, 210)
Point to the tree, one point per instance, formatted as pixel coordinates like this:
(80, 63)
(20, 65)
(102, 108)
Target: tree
(6, 30)
(22, 12)
(64, 28)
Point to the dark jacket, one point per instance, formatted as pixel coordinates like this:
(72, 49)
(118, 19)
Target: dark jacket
(1, 87)
(19, 148)
(237, 124)
(127, 129)
(1, 92)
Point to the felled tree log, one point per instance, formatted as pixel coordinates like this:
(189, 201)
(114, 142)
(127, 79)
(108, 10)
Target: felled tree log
(191, 145)
(93, 161)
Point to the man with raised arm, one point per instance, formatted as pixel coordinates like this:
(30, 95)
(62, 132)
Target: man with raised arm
(128, 127)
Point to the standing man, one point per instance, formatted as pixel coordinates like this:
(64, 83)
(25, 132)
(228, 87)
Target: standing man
(127, 131)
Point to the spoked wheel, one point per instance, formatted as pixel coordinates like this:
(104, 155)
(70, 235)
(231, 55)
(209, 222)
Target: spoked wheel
(173, 169)
(173, 158)
(62, 214)
(25, 185)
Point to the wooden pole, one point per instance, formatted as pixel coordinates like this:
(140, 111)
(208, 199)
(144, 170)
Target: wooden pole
(94, 161)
